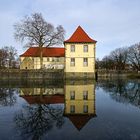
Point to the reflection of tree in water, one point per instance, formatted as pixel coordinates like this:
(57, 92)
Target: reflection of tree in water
(36, 120)
(122, 90)
(7, 96)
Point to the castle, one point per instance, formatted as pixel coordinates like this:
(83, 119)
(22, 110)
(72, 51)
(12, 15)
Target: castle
(76, 58)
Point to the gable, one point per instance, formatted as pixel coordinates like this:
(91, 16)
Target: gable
(80, 36)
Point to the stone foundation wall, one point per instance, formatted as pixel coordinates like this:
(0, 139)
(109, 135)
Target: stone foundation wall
(31, 74)
(18, 74)
(79, 75)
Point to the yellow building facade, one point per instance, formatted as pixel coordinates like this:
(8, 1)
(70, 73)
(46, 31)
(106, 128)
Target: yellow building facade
(53, 58)
(80, 60)
(80, 54)
(48, 63)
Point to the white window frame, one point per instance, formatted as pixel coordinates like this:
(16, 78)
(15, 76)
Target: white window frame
(72, 95)
(72, 108)
(72, 63)
(85, 48)
(48, 59)
(85, 95)
(53, 59)
(72, 48)
(85, 109)
(85, 63)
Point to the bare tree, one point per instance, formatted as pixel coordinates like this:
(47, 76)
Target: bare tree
(121, 91)
(134, 56)
(8, 57)
(122, 59)
(7, 97)
(38, 32)
(35, 120)
(107, 63)
(3, 57)
(119, 57)
(12, 56)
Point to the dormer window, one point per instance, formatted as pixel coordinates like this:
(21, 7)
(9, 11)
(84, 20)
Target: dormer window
(72, 48)
(85, 48)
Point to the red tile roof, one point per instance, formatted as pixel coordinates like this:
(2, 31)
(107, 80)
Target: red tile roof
(53, 99)
(80, 36)
(80, 120)
(47, 52)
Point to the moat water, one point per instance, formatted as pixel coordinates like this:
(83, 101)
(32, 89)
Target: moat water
(70, 110)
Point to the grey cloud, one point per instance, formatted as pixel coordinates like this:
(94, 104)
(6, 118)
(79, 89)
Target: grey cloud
(113, 23)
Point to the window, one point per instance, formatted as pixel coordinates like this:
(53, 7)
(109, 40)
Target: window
(72, 109)
(85, 95)
(72, 62)
(72, 48)
(72, 95)
(85, 108)
(85, 62)
(52, 59)
(85, 48)
(57, 59)
(48, 59)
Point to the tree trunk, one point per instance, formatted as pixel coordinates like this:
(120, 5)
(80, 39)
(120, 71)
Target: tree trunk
(41, 57)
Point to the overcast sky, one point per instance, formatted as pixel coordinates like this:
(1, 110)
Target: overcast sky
(113, 23)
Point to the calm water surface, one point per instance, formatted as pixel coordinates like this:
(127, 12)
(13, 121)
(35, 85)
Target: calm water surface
(71, 110)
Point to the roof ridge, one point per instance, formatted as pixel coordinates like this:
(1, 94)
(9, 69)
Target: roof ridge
(46, 47)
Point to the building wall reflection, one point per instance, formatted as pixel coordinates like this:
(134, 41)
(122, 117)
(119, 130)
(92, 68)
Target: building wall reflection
(43, 95)
(80, 102)
(41, 91)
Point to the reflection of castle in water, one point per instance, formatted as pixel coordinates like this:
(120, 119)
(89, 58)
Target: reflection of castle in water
(78, 98)
(43, 95)
(79, 102)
